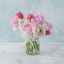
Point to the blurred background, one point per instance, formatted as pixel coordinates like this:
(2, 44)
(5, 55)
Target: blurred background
(53, 11)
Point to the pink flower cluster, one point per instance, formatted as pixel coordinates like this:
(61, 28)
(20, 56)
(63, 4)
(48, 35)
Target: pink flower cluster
(14, 20)
(36, 25)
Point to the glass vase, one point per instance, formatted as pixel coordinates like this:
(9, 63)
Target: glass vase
(32, 48)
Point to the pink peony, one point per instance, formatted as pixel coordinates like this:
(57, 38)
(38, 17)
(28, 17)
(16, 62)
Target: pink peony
(16, 26)
(50, 25)
(20, 15)
(39, 19)
(38, 31)
(48, 32)
(30, 16)
(34, 22)
(40, 15)
(14, 19)
(27, 28)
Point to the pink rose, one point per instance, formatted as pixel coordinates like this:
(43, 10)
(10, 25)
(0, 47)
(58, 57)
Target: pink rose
(48, 32)
(38, 31)
(50, 25)
(20, 15)
(27, 28)
(16, 27)
(14, 19)
(30, 16)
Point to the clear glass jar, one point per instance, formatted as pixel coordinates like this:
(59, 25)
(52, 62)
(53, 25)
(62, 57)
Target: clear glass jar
(32, 48)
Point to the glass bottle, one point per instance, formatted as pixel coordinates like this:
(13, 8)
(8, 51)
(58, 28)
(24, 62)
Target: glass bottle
(32, 47)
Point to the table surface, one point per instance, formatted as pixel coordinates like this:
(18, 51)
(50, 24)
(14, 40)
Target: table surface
(14, 53)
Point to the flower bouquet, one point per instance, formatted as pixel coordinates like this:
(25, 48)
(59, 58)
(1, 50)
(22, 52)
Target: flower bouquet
(33, 27)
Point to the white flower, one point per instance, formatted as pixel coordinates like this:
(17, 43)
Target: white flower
(45, 26)
(25, 21)
(22, 22)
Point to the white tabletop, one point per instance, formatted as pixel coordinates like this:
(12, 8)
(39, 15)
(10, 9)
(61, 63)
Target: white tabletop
(14, 53)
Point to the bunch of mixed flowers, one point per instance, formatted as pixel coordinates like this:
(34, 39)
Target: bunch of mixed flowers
(32, 26)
